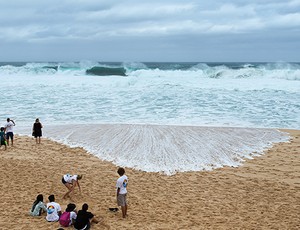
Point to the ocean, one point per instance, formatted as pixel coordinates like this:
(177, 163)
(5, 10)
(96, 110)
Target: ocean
(75, 95)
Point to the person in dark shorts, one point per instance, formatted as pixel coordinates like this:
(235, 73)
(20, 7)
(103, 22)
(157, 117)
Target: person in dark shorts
(9, 131)
(71, 181)
(84, 218)
(37, 130)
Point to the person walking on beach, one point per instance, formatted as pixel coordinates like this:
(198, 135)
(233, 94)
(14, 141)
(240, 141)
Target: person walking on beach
(3, 138)
(70, 181)
(9, 131)
(37, 130)
(53, 210)
(121, 185)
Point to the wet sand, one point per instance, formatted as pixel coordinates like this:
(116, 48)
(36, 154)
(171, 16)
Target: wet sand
(264, 193)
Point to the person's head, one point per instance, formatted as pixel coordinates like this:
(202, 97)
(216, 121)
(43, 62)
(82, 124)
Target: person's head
(70, 207)
(40, 197)
(79, 177)
(2, 129)
(8, 119)
(37, 120)
(51, 198)
(121, 171)
(85, 207)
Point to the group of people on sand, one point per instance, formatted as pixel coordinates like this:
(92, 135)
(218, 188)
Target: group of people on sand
(7, 133)
(81, 219)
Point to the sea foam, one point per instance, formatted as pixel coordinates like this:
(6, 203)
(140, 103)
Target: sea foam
(168, 149)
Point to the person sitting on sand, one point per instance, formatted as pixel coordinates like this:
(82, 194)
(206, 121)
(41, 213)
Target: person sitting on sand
(70, 181)
(3, 138)
(69, 216)
(53, 210)
(121, 185)
(38, 206)
(84, 218)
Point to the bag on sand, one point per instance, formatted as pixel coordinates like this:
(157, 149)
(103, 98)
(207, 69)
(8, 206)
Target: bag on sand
(64, 219)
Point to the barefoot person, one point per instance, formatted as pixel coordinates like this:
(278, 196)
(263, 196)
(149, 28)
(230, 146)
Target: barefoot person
(37, 130)
(70, 181)
(122, 191)
(9, 131)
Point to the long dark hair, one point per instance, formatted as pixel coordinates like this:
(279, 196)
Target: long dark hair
(38, 199)
(70, 207)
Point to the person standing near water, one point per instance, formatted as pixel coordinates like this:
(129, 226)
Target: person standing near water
(121, 185)
(37, 130)
(9, 131)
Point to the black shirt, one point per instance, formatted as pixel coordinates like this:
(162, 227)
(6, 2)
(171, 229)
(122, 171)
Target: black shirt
(83, 218)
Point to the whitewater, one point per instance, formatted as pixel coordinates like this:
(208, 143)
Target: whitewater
(157, 117)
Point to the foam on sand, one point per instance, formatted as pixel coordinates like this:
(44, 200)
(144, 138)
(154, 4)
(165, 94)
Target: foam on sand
(168, 149)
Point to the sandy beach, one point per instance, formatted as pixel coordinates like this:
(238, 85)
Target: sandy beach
(264, 193)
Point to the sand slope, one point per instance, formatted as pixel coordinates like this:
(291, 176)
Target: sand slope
(262, 194)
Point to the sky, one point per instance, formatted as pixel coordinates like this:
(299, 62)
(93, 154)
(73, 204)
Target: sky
(156, 30)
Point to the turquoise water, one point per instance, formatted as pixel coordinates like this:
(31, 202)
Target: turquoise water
(210, 94)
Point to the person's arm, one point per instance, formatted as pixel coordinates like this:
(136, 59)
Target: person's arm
(13, 122)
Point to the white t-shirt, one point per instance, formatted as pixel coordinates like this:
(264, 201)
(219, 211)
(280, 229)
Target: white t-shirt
(9, 127)
(122, 184)
(68, 178)
(73, 216)
(52, 211)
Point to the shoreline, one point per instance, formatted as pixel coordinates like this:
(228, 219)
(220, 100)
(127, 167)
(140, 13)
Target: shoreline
(261, 194)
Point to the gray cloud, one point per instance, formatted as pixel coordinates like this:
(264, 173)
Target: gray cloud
(182, 30)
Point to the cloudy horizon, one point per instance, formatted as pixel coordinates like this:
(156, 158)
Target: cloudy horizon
(198, 31)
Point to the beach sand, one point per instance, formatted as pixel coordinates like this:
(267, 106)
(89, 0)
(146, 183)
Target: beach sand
(264, 193)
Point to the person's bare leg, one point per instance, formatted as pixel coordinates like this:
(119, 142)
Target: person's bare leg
(12, 142)
(123, 211)
(126, 210)
(70, 188)
(39, 140)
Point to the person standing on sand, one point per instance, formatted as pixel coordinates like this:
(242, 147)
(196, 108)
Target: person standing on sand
(121, 185)
(9, 131)
(70, 182)
(37, 130)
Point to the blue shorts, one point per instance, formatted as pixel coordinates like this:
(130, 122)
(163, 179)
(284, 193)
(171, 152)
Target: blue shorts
(10, 134)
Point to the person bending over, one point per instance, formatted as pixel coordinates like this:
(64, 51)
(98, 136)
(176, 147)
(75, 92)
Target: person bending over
(71, 181)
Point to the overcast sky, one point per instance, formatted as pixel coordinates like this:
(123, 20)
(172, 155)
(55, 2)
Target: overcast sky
(156, 30)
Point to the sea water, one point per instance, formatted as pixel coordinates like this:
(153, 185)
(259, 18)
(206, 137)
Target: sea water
(65, 95)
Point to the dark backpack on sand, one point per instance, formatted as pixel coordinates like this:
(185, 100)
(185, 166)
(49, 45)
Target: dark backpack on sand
(64, 219)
